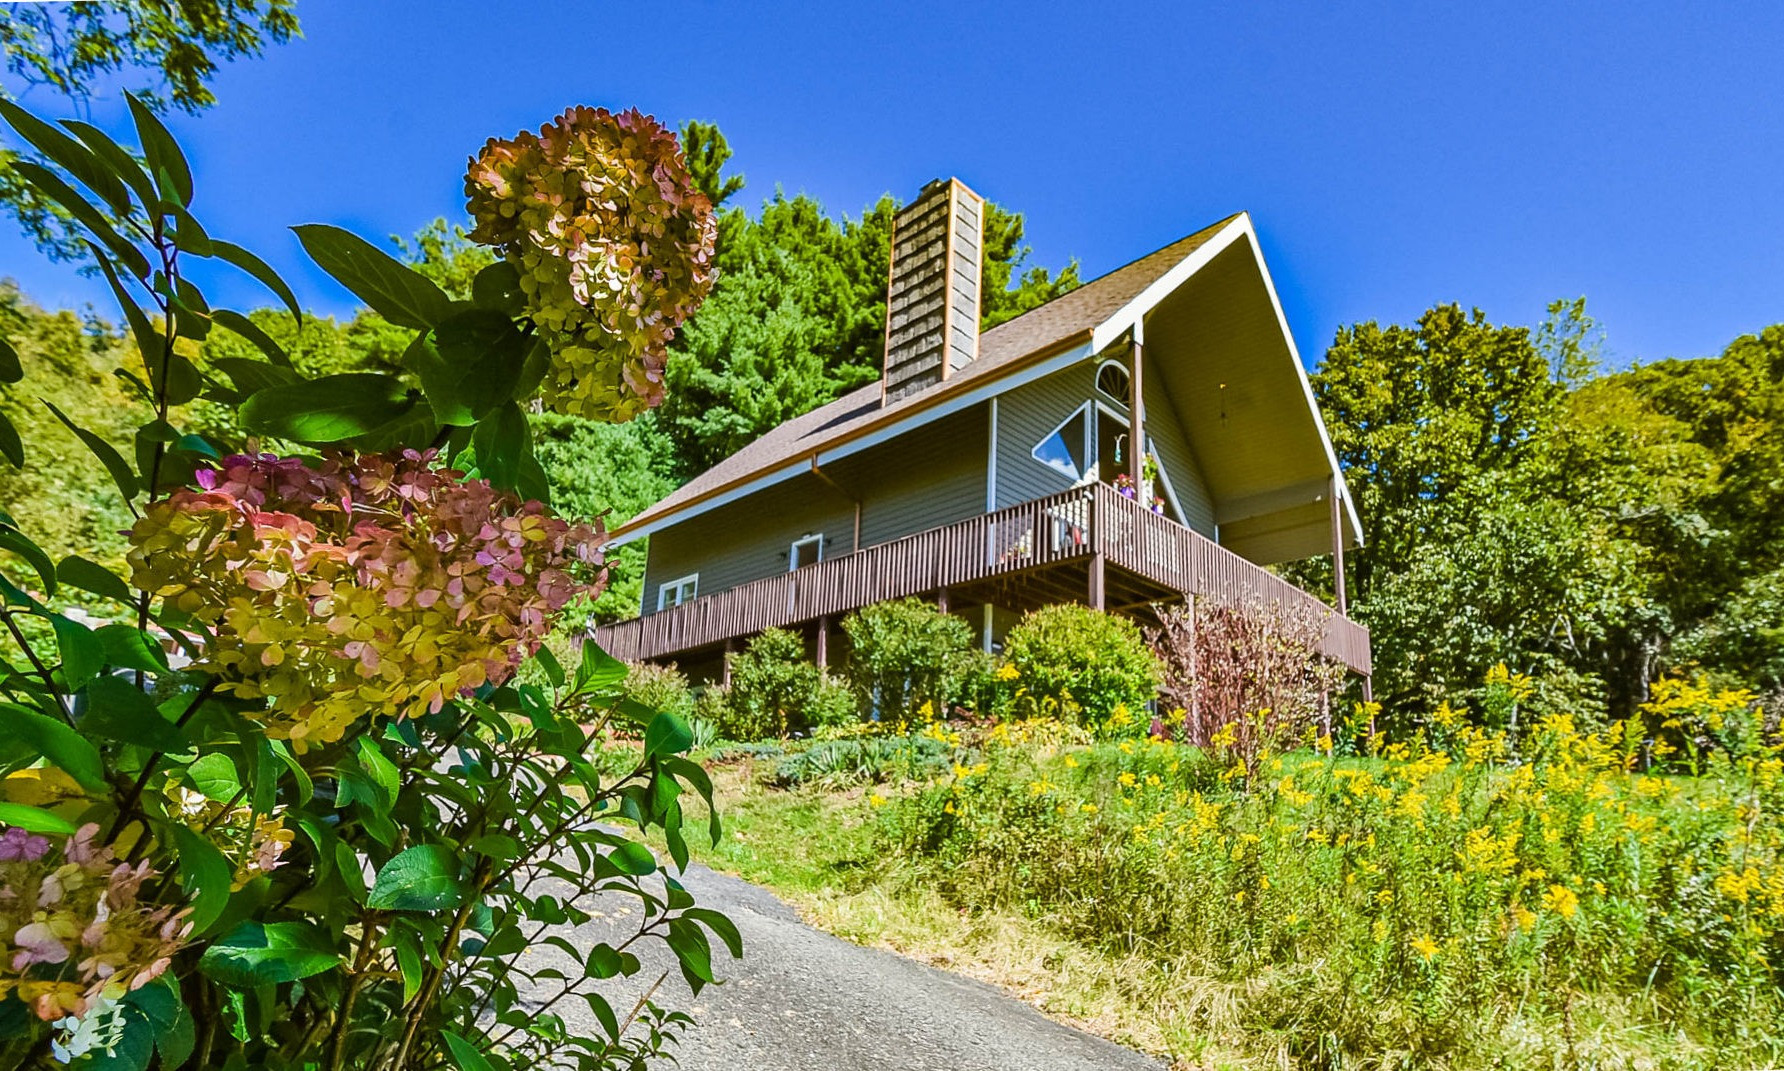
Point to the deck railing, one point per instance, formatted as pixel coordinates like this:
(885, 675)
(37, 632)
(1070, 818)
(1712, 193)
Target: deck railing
(1072, 525)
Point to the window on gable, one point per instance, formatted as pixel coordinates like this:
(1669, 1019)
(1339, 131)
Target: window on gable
(1112, 379)
(805, 551)
(676, 592)
(1066, 449)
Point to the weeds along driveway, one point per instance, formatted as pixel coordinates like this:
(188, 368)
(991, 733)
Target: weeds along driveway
(801, 1000)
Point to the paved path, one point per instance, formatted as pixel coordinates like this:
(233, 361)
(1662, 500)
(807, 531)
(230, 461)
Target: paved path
(801, 1000)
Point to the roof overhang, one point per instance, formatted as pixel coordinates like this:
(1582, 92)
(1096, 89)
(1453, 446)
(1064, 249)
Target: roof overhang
(1215, 323)
(1218, 335)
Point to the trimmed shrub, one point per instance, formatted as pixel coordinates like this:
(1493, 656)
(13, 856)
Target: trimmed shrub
(903, 654)
(661, 688)
(776, 692)
(1081, 665)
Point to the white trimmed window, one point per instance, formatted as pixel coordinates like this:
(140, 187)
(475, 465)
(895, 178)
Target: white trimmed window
(805, 550)
(1067, 448)
(1112, 379)
(676, 592)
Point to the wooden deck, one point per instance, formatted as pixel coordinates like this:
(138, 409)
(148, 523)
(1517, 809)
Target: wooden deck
(1086, 544)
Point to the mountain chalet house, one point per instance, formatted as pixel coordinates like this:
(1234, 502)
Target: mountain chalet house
(996, 472)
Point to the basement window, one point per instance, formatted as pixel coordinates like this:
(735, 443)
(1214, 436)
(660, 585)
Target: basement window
(1066, 449)
(805, 551)
(676, 592)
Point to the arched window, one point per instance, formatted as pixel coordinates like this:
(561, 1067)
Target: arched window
(1112, 379)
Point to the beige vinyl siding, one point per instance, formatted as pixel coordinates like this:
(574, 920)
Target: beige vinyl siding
(748, 539)
(933, 476)
(1025, 416)
(1165, 429)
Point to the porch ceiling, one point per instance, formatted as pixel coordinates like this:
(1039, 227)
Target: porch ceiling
(1229, 366)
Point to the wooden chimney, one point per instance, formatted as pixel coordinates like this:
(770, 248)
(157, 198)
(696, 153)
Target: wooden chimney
(932, 295)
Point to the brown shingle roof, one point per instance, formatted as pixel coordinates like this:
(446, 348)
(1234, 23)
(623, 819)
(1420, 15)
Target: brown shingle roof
(1066, 320)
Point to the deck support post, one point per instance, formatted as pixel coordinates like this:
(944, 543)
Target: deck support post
(985, 632)
(823, 642)
(1337, 497)
(941, 600)
(730, 648)
(1136, 416)
(1096, 582)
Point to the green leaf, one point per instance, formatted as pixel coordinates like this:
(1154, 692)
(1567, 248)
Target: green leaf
(464, 1054)
(497, 287)
(178, 1038)
(118, 710)
(251, 377)
(548, 664)
(667, 734)
(15, 541)
(106, 453)
(414, 427)
(306, 788)
(329, 409)
(89, 575)
(83, 656)
(91, 218)
(381, 770)
(215, 777)
(422, 878)
(166, 162)
(599, 673)
(253, 265)
(721, 925)
(71, 155)
(634, 858)
(603, 961)
(604, 1012)
(66, 749)
(10, 444)
(33, 819)
(352, 873)
(122, 164)
(502, 439)
(408, 962)
(149, 339)
(256, 954)
(248, 329)
(188, 235)
(472, 365)
(11, 371)
(394, 290)
(173, 376)
(205, 875)
(688, 941)
(132, 648)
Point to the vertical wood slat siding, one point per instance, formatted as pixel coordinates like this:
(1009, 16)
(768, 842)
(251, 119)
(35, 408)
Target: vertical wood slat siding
(1070, 525)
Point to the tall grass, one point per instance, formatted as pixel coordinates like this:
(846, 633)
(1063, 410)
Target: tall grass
(1436, 902)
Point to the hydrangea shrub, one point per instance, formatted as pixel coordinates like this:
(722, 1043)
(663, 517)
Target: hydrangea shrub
(309, 789)
(612, 245)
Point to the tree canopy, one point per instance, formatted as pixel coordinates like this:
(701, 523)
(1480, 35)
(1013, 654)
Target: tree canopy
(167, 53)
(1520, 505)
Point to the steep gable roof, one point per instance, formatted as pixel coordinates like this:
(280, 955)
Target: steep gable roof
(1068, 320)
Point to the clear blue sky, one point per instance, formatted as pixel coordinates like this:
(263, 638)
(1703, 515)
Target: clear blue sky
(1392, 156)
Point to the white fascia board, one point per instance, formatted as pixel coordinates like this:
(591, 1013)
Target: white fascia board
(1129, 315)
(767, 479)
(985, 392)
(1132, 314)
(1350, 505)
